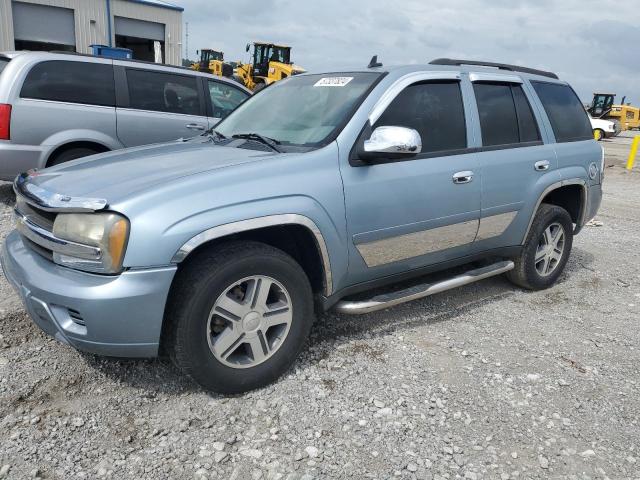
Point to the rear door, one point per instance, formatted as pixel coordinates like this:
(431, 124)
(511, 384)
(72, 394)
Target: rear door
(157, 106)
(406, 213)
(222, 99)
(512, 156)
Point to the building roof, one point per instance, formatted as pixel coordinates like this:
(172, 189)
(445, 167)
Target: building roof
(159, 3)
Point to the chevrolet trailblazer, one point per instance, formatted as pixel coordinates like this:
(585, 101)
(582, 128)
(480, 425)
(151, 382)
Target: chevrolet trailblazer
(312, 193)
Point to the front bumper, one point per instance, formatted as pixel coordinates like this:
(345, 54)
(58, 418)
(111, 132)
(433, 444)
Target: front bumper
(117, 316)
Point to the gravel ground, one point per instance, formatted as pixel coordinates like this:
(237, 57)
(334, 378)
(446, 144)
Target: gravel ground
(487, 381)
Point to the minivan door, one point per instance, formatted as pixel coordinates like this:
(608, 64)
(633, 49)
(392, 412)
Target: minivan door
(512, 157)
(418, 210)
(158, 106)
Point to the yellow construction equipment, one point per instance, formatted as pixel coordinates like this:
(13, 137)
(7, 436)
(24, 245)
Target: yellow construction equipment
(625, 116)
(212, 61)
(270, 63)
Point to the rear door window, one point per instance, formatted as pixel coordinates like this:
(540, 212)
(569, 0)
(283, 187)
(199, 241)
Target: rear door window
(506, 117)
(435, 110)
(224, 98)
(71, 82)
(568, 117)
(163, 92)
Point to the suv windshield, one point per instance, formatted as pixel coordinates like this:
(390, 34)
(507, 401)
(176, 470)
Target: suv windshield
(304, 111)
(3, 63)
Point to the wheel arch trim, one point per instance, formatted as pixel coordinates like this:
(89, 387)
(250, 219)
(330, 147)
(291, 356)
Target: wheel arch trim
(257, 223)
(554, 186)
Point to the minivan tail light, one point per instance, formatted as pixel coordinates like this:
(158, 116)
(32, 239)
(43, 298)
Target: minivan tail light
(5, 121)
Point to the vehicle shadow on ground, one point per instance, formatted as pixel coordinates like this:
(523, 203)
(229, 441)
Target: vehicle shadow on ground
(7, 195)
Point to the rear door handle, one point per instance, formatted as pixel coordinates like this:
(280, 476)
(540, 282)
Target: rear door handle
(541, 166)
(195, 126)
(463, 177)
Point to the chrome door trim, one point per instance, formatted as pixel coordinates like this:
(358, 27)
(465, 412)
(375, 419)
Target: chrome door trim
(399, 85)
(494, 77)
(410, 245)
(555, 186)
(254, 224)
(494, 225)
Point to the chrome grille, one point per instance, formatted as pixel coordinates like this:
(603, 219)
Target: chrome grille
(35, 215)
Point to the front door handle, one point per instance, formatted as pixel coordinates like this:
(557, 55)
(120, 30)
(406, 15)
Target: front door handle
(195, 126)
(463, 177)
(541, 166)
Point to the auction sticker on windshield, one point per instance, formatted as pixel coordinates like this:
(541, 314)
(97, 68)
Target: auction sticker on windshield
(333, 82)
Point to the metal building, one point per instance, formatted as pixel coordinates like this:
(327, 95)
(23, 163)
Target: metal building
(152, 29)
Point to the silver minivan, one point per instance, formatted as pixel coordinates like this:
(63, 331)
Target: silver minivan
(56, 107)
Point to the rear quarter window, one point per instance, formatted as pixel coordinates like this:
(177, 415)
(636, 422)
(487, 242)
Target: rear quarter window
(568, 118)
(72, 82)
(3, 63)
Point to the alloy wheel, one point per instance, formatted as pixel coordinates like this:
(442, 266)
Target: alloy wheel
(550, 249)
(249, 321)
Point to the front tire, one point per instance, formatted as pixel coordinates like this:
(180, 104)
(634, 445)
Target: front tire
(546, 249)
(239, 316)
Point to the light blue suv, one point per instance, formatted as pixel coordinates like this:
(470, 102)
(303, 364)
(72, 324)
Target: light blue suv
(309, 195)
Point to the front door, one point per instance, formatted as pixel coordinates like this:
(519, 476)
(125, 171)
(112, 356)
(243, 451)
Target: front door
(406, 213)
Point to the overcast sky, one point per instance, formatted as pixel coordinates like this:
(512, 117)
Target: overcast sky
(593, 44)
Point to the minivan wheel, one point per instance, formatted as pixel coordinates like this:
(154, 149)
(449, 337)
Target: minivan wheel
(546, 249)
(239, 316)
(71, 154)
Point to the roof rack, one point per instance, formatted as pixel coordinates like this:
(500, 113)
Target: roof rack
(501, 66)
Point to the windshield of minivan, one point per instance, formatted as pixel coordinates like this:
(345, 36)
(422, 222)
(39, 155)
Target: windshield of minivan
(302, 111)
(3, 63)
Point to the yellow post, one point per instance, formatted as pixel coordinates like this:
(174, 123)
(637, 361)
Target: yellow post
(633, 152)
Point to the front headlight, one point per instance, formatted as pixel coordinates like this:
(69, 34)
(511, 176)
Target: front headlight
(107, 231)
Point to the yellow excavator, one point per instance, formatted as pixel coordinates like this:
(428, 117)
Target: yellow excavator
(270, 63)
(212, 61)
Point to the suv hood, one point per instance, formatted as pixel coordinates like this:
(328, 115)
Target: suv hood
(116, 175)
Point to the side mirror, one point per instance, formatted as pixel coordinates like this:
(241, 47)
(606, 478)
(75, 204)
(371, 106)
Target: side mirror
(391, 140)
(246, 49)
(197, 52)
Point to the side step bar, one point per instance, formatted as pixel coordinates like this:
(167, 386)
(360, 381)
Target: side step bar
(386, 300)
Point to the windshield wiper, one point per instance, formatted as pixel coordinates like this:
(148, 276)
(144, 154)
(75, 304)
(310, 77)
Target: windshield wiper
(270, 142)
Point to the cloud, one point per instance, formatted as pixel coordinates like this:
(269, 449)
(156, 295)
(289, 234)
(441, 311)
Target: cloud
(593, 44)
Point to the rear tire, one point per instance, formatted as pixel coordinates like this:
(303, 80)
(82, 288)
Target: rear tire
(71, 154)
(227, 302)
(546, 249)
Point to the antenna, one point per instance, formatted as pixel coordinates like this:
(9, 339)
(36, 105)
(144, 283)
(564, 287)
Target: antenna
(186, 46)
(373, 63)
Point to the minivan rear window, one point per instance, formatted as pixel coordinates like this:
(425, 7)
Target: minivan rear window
(568, 118)
(71, 82)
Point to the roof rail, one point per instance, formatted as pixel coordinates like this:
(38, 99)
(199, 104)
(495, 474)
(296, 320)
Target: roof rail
(501, 66)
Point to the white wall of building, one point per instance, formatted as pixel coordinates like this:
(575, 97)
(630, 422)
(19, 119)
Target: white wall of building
(91, 23)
